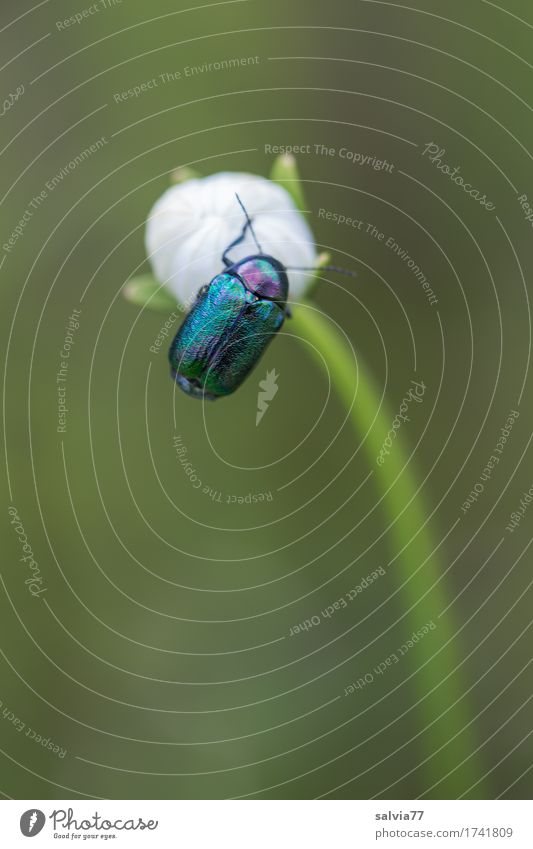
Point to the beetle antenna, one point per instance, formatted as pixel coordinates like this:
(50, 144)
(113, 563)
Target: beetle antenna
(323, 268)
(249, 223)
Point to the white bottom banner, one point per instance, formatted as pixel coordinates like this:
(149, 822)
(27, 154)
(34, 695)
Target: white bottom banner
(267, 824)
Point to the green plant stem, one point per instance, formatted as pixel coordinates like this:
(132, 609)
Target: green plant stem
(438, 683)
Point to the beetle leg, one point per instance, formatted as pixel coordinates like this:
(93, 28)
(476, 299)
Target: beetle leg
(288, 311)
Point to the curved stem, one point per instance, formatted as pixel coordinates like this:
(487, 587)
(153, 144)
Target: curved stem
(449, 761)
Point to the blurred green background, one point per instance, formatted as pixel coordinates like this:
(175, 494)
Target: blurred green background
(159, 660)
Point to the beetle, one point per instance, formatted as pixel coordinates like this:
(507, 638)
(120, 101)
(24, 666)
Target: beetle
(232, 321)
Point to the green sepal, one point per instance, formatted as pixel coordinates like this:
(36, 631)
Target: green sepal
(285, 172)
(322, 259)
(146, 291)
(184, 173)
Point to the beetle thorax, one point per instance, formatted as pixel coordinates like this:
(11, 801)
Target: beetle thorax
(263, 275)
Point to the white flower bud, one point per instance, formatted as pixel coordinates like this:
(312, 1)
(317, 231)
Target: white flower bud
(192, 224)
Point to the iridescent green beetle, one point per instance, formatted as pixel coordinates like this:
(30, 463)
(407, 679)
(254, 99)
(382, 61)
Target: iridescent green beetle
(231, 323)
